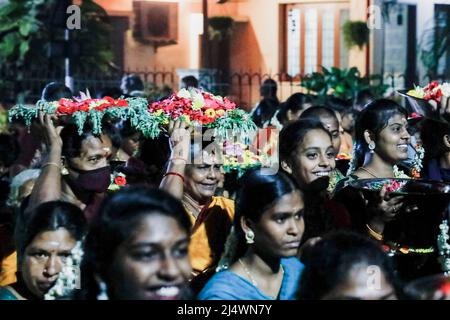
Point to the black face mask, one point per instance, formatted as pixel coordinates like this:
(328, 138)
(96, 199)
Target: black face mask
(97, 180)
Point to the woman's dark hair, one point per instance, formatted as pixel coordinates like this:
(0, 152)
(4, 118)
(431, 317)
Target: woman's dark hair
(316, 112)
(294, 103)
(132, 82)
(373, 118)
(293, 134)
(190, 82)
(338, 104)
(264, 111)
(55, 91)
(119, 216)
(330, 261)
(257, 193)
(49, 216)
(268, 89)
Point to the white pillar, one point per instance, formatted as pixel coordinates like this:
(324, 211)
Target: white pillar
(195, 30)
(425, 20)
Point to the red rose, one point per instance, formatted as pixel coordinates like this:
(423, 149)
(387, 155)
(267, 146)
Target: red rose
(120, 181)
(122, 103)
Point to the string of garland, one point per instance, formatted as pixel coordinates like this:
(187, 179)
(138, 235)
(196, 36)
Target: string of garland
(93, 110)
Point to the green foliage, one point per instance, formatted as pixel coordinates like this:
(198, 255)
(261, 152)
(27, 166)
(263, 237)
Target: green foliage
(356, 33)
(25, 34)
(344, 84)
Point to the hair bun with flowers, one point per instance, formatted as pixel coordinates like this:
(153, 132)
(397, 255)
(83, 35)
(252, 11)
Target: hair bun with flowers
(201, 108)
(85, 109)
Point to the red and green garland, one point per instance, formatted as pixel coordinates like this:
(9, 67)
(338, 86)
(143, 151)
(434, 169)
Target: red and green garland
(82, 110)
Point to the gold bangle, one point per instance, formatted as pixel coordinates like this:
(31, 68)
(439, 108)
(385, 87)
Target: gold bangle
(374, 234)
(50, 164)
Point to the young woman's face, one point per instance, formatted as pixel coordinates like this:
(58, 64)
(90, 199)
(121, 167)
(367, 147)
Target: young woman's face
(202, 179)
(392, 142)
(44, 258)
(279, 231)
(363, 283)
(153, 263)
(313, 158)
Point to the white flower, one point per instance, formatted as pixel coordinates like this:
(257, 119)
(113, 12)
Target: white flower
(445, 89)
(69, 275)
(184, 93)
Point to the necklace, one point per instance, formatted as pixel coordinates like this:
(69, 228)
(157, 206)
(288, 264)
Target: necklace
(248, 273)
(194, 209)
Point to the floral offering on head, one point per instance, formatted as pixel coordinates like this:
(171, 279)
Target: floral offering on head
(201, 108)
(85, 109)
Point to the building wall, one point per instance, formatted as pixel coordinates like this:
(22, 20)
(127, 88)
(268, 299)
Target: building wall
(256, 41)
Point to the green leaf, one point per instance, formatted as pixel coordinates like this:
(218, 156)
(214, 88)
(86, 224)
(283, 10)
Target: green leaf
(25, 28)
(7, 25)
(24, 47)
(7, 9)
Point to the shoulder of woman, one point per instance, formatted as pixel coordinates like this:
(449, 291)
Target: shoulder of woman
(7, 293)
(224, 285)
(292, 264)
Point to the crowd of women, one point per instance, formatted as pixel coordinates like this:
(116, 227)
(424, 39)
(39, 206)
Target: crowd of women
(306, 232)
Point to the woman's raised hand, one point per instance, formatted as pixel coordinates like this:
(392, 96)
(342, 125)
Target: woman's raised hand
(180, 139)
(52, 134)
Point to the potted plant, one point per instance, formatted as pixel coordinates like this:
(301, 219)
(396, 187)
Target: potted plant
(356, 33)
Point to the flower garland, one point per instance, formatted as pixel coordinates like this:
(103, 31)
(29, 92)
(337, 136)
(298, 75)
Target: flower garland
(69, 277)
(391, 185)
(432, 91)
(83, 109)
(392, 248)
(417, 164)
(201, 108)
(444, 246)
(118, 181)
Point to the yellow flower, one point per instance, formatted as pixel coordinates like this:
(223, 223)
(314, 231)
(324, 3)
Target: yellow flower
(416, 93)
(220, 112)
(210, 113)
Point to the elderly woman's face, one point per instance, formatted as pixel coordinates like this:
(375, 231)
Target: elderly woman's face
(153, 263)
(44, 258)
(202, 179)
